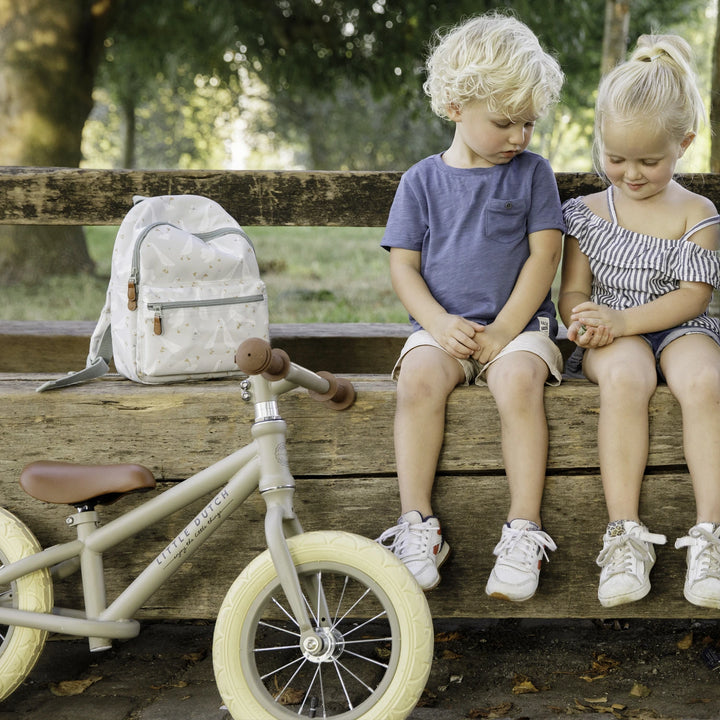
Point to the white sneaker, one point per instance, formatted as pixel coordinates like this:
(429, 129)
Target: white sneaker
(626, 560)
(702, 580)
(519, 553)
(419, 544)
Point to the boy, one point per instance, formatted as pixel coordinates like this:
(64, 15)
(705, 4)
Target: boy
(475, 236)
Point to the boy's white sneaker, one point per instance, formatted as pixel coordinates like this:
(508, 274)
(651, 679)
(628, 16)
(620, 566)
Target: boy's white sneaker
(418, 542)
(702, 579)
(520, 552)
(626, 559)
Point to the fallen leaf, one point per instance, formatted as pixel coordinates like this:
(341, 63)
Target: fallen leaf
(450, 655)
(195, 656)
(498, 711)
(66, 688)
(290, 696)
(639, 690)
(522, 685)
(596, 700)
(686, 642)
(442, 637)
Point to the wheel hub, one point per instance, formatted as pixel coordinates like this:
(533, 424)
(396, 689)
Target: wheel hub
(324, 645)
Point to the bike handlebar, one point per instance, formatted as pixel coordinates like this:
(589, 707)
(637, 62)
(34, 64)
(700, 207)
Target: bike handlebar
(256, 357)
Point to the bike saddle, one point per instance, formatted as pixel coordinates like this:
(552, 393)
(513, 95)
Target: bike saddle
(71, 484)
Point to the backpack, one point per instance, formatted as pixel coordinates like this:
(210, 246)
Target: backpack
(184, 292)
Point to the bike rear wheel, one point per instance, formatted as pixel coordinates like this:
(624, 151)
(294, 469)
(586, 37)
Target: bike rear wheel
(378, 639)
(20, 647)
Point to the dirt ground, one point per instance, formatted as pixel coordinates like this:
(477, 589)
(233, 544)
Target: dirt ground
(509, 669)
(553, 669)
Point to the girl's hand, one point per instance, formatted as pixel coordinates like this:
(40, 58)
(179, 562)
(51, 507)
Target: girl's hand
(602, 324)
(589, 336)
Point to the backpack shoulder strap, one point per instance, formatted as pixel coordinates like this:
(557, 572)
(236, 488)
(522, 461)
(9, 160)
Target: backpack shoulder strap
(99, 356)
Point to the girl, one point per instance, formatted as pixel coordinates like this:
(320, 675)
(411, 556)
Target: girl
(639, 269)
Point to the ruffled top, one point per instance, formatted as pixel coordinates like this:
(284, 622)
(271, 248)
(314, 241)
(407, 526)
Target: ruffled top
(630, 268)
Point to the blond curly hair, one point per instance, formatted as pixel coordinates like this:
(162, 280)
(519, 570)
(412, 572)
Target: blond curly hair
(493, 58)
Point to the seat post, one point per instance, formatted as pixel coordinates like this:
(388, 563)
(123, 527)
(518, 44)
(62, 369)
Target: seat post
(91, 568)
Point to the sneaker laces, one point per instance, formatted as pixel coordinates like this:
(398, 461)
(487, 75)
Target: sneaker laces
(619, 553)
(708, 559)
(521, 547)
(403, 542)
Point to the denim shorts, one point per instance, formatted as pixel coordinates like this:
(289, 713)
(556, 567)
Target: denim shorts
(657, 341)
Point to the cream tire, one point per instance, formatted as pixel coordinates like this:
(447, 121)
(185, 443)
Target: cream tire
(374, 670)
(20, 647)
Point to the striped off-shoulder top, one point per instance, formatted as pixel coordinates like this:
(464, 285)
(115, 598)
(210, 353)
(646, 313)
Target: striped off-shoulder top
(630, 268)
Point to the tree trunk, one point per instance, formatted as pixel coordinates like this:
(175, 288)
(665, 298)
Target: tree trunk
(715, 102)
(49, 52)
(617, 24)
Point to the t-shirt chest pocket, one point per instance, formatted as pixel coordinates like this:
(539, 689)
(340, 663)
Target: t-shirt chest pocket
(506, 219)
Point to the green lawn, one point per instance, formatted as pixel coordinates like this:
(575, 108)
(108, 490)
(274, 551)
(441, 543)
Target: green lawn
(312, 275)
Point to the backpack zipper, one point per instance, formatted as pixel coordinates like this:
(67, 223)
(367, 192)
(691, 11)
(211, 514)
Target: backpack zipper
(158, 308)
(134, 279)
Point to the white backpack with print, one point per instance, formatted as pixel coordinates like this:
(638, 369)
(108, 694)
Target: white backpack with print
(184, 292)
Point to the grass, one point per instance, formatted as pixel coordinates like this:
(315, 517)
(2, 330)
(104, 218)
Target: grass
(312, 275)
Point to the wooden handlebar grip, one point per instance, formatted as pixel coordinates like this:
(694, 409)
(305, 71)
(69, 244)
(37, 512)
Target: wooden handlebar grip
(340, 394)
(253, 356)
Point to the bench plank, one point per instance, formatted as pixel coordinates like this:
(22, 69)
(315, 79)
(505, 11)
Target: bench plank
(343, 486)
(473, 509)
(71, 196)
(56, 346)
(114, 420)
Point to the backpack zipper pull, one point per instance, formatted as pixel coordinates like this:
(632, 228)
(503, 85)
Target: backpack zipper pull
(157, 321)
(132, 293)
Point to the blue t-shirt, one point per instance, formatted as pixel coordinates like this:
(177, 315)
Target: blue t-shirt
(471, 227)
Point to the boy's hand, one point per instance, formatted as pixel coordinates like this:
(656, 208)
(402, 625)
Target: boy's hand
(491, 339)
(455, 334)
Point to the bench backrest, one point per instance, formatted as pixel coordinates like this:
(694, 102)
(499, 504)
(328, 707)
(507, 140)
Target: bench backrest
(67, 196)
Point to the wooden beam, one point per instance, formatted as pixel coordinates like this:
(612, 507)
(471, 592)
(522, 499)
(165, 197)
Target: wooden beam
(71, 196)
(115, 420)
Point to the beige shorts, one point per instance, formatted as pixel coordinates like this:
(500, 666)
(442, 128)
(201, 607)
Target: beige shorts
(536, 342)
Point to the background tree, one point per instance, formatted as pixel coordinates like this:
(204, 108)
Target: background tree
(314, 56)
(48, 55)
(615, 36)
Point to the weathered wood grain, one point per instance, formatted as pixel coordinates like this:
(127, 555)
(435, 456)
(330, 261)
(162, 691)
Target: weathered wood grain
(473, 509)
(178, 429)
(57, 346)
(71, 196)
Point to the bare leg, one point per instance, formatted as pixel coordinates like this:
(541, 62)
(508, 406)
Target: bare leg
(691, 365)
(427, 377)
(517, 382)
(625, 372)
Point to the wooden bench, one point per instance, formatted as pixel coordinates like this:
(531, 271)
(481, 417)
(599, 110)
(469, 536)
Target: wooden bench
(344, 462)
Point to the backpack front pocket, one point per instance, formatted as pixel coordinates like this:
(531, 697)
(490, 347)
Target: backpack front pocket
(179, 338)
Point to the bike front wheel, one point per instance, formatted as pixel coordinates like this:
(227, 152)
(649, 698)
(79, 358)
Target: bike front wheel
(20, 647)
(377, 640)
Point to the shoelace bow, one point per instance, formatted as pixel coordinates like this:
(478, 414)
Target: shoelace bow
(402, 542)
(709, 556)
(522, 545)
(620, 551)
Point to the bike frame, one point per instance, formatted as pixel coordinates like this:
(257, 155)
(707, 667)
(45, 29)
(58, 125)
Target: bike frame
(261, 464)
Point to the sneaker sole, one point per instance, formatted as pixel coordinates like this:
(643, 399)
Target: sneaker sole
(499, 595)
(638, 594)
(442, 556)
(701, 601)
